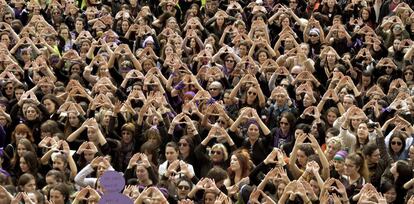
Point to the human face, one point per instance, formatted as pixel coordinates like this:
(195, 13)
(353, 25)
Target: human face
(209, 198)
(50, 180)
(230, 62)
(9, 89)
(365, 15)
(21, 149)
(390, 195)
(281, 99)
(396, 144)
(184, 146)
(18, 93)
(339, 165)
(3, 120)
(220, 21)
(142, 173)
(284, 125)
(251, 93)
(234, 163)
(285, 22)
(262, 57)
(307, 101)
(92, 137)
(56, 197)
(214, 89)
(411, 152)
(302, 158)
(183, 188)
(126, 136)
(348, 102)
(31, 113)
(20, 135)
(350, 167)
(331, 57)
(73, 119)
(30, 186)
(89, 156)
(124, 26)
(106, 118)
(23, 165)
(355, 122)
(170, 154)
(242, 50)
(374, 157)
(280, 189)
(50, 106)
(253, 132)
(366, 80)
(331, 117)
(362, 132)
(217, 155)
(58, 164)
(331, 149)
(408, 75)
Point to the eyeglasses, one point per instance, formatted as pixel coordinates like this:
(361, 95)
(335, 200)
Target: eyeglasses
(182, 144)
(185, 188)
(251, 93)
(396, 143)
(215, 152)
(313, 35)
(408, 73)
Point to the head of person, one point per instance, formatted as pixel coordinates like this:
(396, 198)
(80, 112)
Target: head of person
(333, 145)
(171, 152)
(28, 163)
(239, 161)
(339, 160)
(397, 142)
(218, 153)
(401, 171)
(186, 146)
(355, 164)
(127, 133)
(372, 153)
(389, 191)
(218, 174)
(54, 177)
(287, 122)
(303, 153)
(362, 131)
(331, 115)
(49, 129)
(24, 145)
(59, 193)
(32, 112)
(27, 183)
(184, 186)
(59, 161)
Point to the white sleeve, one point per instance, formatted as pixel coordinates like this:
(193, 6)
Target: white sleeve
(81, 180)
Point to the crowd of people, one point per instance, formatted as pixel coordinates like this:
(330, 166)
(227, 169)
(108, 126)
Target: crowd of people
(206, 101)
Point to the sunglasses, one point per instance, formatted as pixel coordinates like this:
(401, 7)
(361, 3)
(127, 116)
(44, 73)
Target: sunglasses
(185, 188)
(251, 93)
(408, 73)
(182, 144)
(396, 143)
(215, 152)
